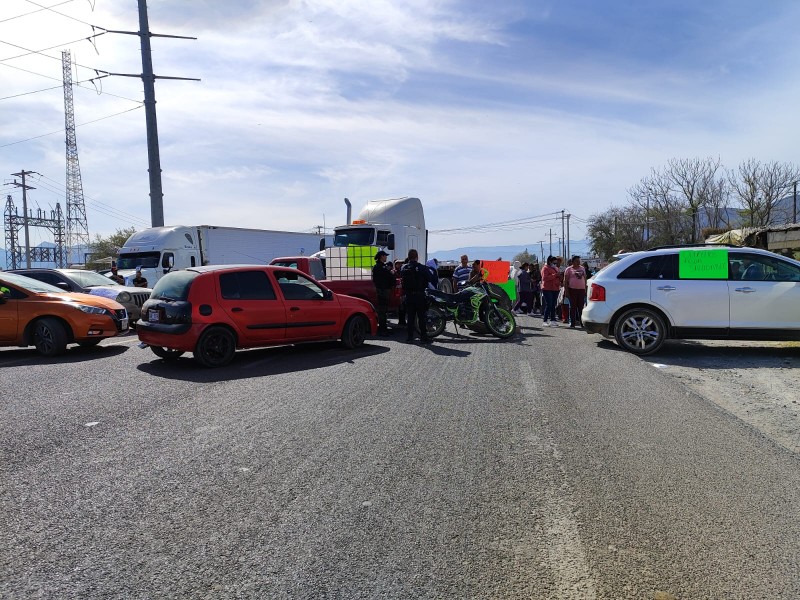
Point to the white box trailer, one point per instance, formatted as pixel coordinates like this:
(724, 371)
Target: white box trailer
(158, 250)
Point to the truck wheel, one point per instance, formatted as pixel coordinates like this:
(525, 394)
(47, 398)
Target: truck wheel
(166, 353)
(49, 337)
(640, 331)
(216, 347)
(355, 331)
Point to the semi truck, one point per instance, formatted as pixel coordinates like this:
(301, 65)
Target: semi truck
(159, 250)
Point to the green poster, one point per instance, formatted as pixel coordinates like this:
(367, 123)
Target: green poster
(510, 287)
(703, 264)
(361, 256)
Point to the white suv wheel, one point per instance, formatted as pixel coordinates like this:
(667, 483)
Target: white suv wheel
(640, 331)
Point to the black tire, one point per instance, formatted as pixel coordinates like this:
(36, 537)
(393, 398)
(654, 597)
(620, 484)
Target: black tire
(216, 347)
(166, 353)
(49, 337)
(435, 322)
(640, 331)
(89, 343)
(500, 322)
(445, 285)
(355, 331)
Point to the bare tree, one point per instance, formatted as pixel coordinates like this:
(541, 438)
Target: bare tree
(616, 229)
(665, 212)
(693, 179)
(758, 189)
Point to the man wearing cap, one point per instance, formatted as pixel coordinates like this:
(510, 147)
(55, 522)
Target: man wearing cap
(139, 281)
(384, 282)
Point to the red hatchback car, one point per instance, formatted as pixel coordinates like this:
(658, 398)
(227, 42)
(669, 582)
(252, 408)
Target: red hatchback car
(211, 311)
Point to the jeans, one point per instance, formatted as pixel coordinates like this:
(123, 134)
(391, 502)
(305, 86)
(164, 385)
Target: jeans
(550, 298)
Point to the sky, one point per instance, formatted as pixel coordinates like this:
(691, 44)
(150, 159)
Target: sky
(490, 112)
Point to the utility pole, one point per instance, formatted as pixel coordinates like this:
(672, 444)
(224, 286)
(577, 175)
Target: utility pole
(148, 79)
(23, 173)
(561, 249)
(794, 219)
(569, 250)
(550, 253)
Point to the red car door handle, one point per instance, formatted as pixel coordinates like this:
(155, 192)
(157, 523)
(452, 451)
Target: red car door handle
(295, 308)
(237, 309)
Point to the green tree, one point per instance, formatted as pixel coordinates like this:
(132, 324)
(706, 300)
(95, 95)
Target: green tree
(524, 257)
(108, 247)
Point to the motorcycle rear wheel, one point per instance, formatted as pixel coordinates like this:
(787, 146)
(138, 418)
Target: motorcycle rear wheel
(500, 322)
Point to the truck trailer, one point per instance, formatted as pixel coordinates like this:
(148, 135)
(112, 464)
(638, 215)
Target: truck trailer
(158, 250)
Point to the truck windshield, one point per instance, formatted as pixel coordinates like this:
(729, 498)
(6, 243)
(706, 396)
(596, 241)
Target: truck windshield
(131, 260)
(361, 236)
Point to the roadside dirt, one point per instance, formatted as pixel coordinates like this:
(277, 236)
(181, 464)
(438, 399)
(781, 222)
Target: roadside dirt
(758, 382)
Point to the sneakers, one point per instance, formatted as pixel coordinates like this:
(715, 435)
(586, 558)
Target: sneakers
(553, 323)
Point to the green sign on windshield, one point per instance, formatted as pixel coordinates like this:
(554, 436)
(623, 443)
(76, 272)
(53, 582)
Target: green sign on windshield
(703, 264)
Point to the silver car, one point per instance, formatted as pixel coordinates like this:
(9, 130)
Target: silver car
(695, 292)
(90, 282)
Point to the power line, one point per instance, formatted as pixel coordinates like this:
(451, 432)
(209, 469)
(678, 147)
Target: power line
(36, 137)
(50, 9)
(503, 225)
(37, 11)
(41, 52)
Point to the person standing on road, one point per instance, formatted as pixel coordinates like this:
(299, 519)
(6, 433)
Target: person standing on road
(575, 288)
(139, 281)
(476, 274)
(551, 283)
(536, 286)
(415, 281)
(384, 283)
(462, 272)
(524, 303)
(116, 276)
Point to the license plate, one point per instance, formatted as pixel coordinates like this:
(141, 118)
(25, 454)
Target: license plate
(153, 316)
(124, 325)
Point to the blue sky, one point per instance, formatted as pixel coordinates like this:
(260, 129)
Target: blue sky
(488, 112)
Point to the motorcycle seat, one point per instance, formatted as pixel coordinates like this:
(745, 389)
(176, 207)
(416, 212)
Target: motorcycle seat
(456, 298)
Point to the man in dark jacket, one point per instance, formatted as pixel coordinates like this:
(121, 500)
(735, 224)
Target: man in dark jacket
(384, 282)
(415, 278)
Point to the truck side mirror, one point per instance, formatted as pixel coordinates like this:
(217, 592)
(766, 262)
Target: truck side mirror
(170, 260)
(321, 244)
(390, 242)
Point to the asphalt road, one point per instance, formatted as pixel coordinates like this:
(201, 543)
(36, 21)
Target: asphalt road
(549, 466)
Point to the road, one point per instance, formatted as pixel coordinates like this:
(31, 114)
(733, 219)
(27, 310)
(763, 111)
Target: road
(549, 466)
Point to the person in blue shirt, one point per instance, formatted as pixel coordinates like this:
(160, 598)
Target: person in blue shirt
(461, 274)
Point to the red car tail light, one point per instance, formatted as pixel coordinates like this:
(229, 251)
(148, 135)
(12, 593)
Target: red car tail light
(598, 293)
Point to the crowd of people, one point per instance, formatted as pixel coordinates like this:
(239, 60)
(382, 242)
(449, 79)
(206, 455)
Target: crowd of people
(554, 292)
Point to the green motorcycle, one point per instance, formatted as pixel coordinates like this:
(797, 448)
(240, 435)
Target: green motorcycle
(477, 307)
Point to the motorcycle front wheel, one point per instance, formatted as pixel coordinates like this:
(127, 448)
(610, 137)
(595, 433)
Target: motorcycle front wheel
(500, 322)
(435, 321)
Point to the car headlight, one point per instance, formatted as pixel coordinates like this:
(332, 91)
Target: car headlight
(92, 310)
(124, 297)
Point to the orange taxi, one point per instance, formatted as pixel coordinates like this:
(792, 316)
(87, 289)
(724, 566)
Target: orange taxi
(42, 315)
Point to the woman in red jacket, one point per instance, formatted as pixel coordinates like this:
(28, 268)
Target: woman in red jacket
(551, 283)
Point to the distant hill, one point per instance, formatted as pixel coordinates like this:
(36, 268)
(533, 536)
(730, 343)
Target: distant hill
(580, 247)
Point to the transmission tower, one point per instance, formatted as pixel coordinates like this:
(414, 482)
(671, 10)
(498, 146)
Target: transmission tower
(77, 227)
(19, 254)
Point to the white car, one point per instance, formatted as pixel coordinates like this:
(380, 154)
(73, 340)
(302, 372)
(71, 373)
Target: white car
(695, 292)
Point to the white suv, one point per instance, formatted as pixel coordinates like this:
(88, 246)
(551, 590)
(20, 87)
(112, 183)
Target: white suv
(695, 292)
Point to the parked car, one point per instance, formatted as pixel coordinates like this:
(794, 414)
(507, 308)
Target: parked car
(691, 292)
(213, 310)
(90, 282)
(37, 313)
